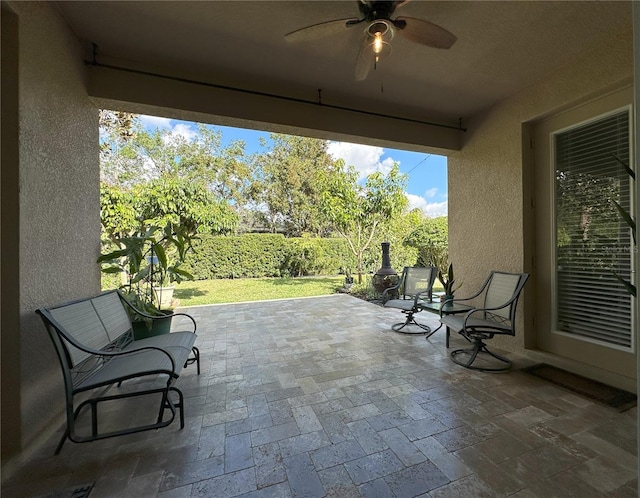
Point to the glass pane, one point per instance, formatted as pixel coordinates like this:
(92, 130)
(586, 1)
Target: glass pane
(593, 241)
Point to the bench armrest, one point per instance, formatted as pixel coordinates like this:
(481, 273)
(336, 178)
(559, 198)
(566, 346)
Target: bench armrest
(193, 321)
(111, 354)
(155, 317)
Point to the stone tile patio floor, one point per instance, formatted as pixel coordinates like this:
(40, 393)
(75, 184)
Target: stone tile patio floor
(318, 397)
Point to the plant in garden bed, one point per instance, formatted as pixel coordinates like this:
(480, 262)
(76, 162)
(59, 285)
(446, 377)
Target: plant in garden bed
(348, 278)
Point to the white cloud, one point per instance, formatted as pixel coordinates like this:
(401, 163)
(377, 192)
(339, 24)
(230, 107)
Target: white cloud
(431, 193)
(155, 121)
(365, 158)
(184, 130)
(430, 209)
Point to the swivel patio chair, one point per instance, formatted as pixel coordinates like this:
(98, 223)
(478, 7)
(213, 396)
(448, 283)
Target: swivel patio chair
(496, 317)
(415, 285)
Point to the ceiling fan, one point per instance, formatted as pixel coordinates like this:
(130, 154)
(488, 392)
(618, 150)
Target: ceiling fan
(378, 32)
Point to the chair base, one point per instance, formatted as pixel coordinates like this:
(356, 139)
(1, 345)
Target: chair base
(424, 329)
(480, 348)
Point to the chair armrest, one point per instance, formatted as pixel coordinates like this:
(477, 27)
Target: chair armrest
(388, 290)
(494, 308)
(472, 312)
(385, 294)
(418, 296)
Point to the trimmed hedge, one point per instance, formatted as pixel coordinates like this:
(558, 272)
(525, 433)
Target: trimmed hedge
(266, 255)
(273, 255)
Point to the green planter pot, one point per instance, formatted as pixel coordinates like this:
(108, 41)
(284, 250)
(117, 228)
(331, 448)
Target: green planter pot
(446, 300)
(159, 326)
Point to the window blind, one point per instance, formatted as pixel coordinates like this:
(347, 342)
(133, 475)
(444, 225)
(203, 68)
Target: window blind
(593, 241)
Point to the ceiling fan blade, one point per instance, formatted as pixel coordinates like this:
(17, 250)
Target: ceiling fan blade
(364, 60)
(320, 30)
(424, 32)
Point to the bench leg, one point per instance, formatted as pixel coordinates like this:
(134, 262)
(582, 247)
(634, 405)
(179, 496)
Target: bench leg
(179, 405)
(167, 404)
(196, 359)
(164, 404)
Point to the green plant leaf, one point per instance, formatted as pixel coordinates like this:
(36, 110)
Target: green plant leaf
(183, 273)
(141, 275)
(119, 253)
(631, 289)
(112, 269)
(161, 254)
(627, 218)
(629, 171)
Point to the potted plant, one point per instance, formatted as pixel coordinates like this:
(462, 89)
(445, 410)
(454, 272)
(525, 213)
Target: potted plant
(348, 279)
(447, 282)
(150, 262)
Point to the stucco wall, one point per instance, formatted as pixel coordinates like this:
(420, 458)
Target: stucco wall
(490, 202)
(59, 201)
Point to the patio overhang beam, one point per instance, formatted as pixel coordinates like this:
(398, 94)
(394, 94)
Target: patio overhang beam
(147, 93)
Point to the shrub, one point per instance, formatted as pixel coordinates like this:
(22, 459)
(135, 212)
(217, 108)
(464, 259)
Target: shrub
(273, 255)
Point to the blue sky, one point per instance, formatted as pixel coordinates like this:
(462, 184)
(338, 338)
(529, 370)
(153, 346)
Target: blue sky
(427, 186)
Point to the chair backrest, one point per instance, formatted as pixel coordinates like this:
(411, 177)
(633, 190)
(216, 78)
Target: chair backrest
(417, 279)
(504, 289)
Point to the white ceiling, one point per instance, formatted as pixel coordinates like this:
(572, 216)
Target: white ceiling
(502, 47)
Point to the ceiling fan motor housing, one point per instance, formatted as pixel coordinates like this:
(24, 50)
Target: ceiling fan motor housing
(372, 11)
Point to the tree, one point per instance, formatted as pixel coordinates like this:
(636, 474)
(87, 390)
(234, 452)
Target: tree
(357, 211)
(201, 158)
(174, 204)
(132, 155)
(184, 205)
(286, 184)
(119, 161)
(117, 211)
(430, 238)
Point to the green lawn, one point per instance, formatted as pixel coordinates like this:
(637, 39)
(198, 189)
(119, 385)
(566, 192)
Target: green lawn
(254, 289)
(238, 290)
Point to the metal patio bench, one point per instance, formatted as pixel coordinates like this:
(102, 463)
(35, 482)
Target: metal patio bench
(94, 341)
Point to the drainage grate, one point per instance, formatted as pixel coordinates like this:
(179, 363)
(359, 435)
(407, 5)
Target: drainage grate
(77, 491)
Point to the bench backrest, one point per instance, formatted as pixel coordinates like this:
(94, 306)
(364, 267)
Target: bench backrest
(97, 323)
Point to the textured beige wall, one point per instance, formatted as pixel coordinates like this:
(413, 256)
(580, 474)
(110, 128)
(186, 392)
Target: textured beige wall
(490, 210)
(59, 201)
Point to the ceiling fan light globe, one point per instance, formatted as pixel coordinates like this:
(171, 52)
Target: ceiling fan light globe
(382, 51)
(377, 43)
